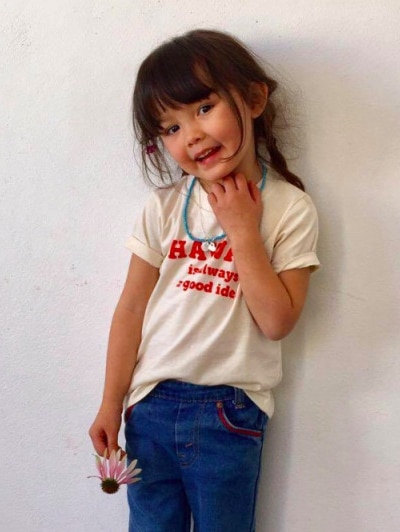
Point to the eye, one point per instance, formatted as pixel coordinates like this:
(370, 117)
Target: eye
(171, 130)
(206, 108)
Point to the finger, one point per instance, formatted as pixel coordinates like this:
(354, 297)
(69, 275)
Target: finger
(240, 181)
(212, 199)
(219, 186)
(229, 183)
(113, 443)
(99, 442)
(254, 191)
(217, 190)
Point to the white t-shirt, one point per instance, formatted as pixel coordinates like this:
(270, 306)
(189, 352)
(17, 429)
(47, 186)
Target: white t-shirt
(197, 327)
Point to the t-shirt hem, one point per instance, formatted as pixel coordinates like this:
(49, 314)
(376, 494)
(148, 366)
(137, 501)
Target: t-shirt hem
(144, 252)
(305, 260)
(264, 400)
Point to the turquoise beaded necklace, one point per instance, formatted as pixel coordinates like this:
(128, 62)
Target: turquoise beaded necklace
(210, 243)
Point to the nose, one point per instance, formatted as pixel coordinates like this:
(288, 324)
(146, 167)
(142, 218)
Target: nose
(194, 134)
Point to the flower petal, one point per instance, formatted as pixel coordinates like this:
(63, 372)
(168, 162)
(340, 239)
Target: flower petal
(133, 480)
(119, 469)
(128, 476)
(112, 464)
(128, 470)
(104, 462)
(131, 466)
(99, 466)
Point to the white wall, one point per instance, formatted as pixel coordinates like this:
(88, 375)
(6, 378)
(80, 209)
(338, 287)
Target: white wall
(69, 194)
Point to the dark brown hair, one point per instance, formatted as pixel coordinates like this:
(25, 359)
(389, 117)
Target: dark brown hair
(189, 68)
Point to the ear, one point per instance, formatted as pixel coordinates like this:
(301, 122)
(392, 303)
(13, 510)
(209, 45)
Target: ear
(258, 98)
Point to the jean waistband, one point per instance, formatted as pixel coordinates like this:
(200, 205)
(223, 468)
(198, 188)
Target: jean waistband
(187, 392)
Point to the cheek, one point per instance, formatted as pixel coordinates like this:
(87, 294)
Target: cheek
(171, 146)
(229, 128)
(230, 135)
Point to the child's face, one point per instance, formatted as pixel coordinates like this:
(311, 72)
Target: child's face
(202, 135)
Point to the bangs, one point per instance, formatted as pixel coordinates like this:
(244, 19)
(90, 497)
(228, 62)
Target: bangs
(172, 76)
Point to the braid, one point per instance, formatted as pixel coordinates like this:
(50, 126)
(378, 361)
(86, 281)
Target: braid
(263, 131)
(278, 163)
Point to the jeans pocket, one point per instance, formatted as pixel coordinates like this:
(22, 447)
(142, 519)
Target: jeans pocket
(247, 421)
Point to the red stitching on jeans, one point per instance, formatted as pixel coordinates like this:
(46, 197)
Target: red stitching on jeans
(237, 430)
(128, 412)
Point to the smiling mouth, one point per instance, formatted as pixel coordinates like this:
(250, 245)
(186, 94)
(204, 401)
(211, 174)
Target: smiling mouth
(202, 156)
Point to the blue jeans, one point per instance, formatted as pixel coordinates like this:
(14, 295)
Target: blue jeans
(200, 451)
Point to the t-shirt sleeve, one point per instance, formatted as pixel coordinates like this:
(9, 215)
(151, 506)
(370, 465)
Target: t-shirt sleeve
(296, 242)
(145, 241)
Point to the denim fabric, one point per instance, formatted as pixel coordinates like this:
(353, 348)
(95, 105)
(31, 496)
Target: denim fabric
(200, 451)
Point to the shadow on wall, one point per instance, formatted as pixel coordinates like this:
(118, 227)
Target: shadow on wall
(315, 402)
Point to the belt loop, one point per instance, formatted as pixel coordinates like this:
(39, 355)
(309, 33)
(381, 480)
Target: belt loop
(239, 398)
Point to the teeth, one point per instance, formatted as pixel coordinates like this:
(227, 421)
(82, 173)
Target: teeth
(206, 154)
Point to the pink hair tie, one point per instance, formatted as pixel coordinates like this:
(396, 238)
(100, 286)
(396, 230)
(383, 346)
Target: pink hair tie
(151, 148)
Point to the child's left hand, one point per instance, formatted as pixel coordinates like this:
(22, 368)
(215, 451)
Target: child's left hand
(237, 205)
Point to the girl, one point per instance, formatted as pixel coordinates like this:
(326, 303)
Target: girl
(219, 274)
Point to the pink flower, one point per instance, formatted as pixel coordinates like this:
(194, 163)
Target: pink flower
(113, 473)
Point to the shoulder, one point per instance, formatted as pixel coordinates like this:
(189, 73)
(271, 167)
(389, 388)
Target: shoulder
(290, 225)
(287, 210)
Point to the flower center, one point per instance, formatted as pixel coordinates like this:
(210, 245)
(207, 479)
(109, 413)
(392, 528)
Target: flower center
(110, 485)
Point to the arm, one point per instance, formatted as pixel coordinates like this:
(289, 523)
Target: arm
(124, 340)
(274, 300)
